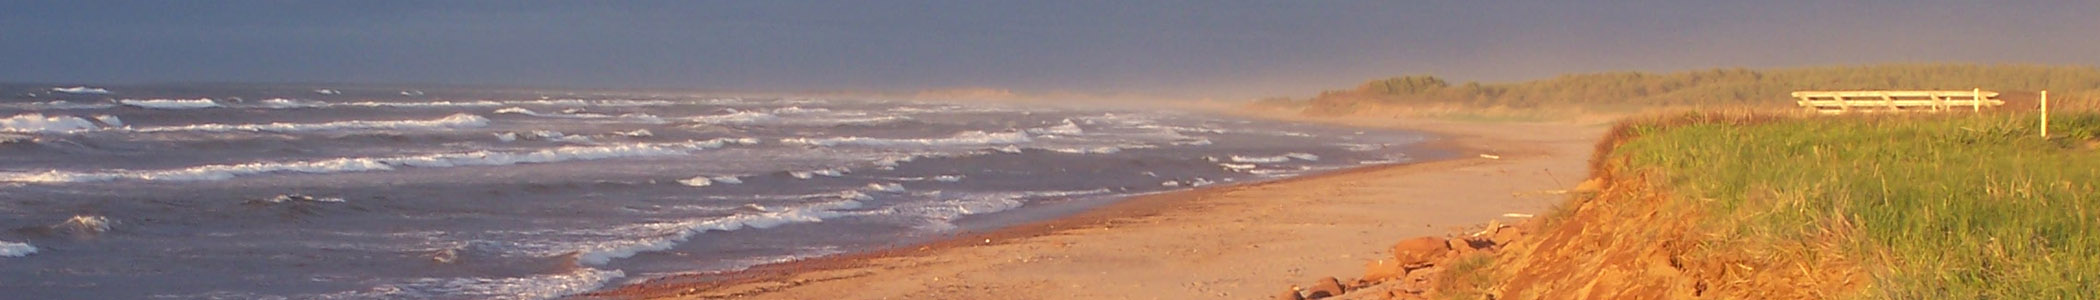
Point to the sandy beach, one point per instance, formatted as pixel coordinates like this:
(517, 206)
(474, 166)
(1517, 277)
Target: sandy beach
(1246, 241)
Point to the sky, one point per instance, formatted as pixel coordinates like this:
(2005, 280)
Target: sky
(1204, 49)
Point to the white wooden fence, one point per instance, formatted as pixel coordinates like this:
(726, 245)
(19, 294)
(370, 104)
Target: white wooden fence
(1837, 102)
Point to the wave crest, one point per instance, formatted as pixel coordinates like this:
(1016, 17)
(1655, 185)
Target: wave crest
(453, 121)
(363, 164)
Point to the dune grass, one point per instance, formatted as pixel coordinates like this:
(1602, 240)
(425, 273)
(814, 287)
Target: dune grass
(1961, 206)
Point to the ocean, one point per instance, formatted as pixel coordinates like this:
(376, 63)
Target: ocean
(245, 192)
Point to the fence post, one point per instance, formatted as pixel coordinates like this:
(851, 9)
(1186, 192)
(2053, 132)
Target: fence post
(1978, 104)
(2045, 114)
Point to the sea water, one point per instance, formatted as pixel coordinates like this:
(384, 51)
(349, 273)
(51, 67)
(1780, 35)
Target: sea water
(243, 192)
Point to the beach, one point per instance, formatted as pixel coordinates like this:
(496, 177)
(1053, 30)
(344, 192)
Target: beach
(1247, 241)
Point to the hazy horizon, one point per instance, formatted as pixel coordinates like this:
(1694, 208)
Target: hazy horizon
(1177, 49)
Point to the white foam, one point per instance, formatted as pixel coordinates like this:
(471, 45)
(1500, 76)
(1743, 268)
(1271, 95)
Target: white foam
(1170, 183)
(1068, 128)
(1260, 159)
(727, 179)
(1200, 181)
(679, 232)
(886, 187)
(171, 103)
(636, 117)
(1275, 159)
(1183, 129)
(550, 135)
(636, 133)
(696, 181)
(492, 103)
(281, 103)
(742, 117)
(1360, 147)
(1083, 150)
(546, 286)
(1290, 133)
(507, 136)
(328, 92)
(968, 138)
(367, 164)
(85, 224)
(948, 178)
(61, 105)
(13, 249)
(448, 122)
(1197, 142)
(40, 123)
(833, 172)
(945, 211)
(1381, 161)
(301, 198)
(482, 103)
(1270, 171)
(843, 121)
(800, 110)
(81, 90)
(1237, 167)
(891, 163)
(110, 120)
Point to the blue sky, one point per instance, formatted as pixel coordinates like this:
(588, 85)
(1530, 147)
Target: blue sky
(1221, 49)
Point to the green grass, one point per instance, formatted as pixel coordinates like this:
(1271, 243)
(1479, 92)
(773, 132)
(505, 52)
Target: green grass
(1961, 206)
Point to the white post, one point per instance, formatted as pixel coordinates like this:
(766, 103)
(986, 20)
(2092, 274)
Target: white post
(2045, 114)
(1978, 105)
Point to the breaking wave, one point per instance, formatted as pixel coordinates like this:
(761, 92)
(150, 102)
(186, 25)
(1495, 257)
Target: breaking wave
(546, 286)
(81, 90)
(364, 164)
(742, 117)
(39, 123)
(453, 121)
(833, 172)
(171, 103)
(492, 103)
(543, 135)
(1275, 159)
(679, 232)
(637, 117)
(281, 103)
(58, 105)
(967, 138)
(1068, 128)
(13, 249)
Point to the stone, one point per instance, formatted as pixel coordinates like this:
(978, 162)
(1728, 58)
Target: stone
(1460, 246)
(1419, 251)
(1383, 270)
(1325, 287)
(1505, 236)
(1291, 294)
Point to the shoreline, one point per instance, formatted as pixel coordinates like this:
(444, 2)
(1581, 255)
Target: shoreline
(826, 276)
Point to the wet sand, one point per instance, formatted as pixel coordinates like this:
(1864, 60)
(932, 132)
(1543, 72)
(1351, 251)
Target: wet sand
(1247, 241)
